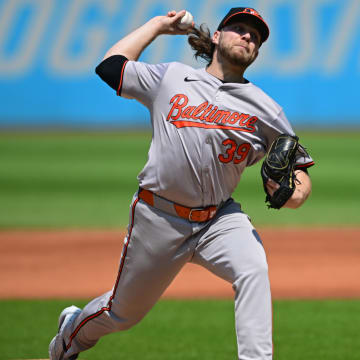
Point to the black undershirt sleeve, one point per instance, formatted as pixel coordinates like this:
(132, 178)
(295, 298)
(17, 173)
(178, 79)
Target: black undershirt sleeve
(111, 71)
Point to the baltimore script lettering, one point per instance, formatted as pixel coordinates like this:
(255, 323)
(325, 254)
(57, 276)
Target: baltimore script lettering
(207, 116)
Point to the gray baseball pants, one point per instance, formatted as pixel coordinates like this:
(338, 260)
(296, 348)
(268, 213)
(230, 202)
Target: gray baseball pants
(155, 249)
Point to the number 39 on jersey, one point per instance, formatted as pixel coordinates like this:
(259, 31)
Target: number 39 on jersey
(233, 152)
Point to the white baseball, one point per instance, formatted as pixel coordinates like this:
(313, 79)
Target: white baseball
(186, 21)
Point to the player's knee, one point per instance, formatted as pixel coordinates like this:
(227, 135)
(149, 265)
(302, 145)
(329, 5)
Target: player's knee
(259, 270)
(257, 273)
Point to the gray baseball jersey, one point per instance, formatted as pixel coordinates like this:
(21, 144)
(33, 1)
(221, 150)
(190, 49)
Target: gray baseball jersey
(205, 132)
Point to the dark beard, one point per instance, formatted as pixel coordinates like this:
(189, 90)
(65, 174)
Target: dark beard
(233, 58)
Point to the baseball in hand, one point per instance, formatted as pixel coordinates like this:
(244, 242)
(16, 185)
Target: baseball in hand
(186, 21)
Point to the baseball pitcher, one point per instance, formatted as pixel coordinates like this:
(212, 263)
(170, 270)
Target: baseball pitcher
(208, 125)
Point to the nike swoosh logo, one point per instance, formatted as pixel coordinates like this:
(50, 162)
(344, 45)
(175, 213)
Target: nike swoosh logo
(188, 80)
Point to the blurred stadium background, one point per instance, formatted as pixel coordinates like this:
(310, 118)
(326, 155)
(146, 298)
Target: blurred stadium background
(50, 48)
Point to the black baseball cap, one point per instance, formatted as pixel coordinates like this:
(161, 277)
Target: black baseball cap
(239, 13)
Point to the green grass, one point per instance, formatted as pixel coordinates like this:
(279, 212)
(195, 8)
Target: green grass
(88, 179)
(69, 180)
(201, 329)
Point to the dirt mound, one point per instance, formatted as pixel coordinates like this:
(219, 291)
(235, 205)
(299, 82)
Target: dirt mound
(313, 263)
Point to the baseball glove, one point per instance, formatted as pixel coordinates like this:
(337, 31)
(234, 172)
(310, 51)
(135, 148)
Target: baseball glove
(279, 166)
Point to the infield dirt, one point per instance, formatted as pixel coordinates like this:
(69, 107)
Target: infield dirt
(311, 263)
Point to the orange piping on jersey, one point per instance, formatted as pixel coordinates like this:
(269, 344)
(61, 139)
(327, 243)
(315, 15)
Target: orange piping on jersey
(311, 163)
(121, 78)
(109, 304)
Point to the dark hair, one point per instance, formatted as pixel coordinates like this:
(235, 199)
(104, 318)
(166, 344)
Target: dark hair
(200, 41)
